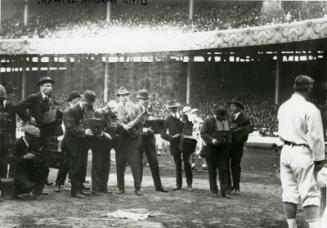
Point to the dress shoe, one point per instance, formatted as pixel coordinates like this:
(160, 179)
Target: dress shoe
(49, 183)
(189, 188)
(107, 192)
(214, 195)
(83, 187)
(38, 197)
(57, 188)
(78, 195)
(97, 193)
(120, 192)
(138, 192)
(161, 189)
(177, 188)
(236, 192)
(85, 193)
(44, 193)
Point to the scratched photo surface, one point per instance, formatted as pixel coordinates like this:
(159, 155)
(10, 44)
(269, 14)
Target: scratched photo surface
(79, 71)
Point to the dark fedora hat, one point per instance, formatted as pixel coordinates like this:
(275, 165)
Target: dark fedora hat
(237, 102)
(73, 95)
(142, 94)
(172, 104)
(221, 112)
(122, 91)
(45, 79)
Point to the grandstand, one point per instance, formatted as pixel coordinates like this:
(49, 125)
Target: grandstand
(198, 52)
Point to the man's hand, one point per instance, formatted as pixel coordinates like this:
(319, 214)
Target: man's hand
(176, 136)
(214, 141)
(150, 131)
(32, 121)
(88, 132)
(107, 135)
(29, 156)
(318, 166)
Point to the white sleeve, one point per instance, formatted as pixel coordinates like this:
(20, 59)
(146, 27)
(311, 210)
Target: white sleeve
(315, 135)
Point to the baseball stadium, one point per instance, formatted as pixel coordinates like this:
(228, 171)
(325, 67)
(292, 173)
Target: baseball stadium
(201, 54)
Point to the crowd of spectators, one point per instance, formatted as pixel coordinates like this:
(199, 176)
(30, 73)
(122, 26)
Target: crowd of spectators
(80, 20)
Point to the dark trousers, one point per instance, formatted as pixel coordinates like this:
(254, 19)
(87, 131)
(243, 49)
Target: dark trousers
(127, 151)
(63, 171)
(177, 154)
(76, 166)
(40, 177)
(235, 158)
(101, 148)
(84, 161)
(149, 149)
(218, 159)
(3, 167)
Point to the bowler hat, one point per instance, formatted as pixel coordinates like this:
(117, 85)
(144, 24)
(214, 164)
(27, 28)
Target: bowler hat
(142, 94)
(237, 102)
(45, 79)
(31, 130)
(172, 104)
(221, 112)
(122, 91)
(73, 95)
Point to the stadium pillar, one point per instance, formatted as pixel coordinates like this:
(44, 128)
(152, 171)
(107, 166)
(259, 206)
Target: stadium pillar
(106, 81)
(108, 11)
(24, 78)
(26, 13)
(0, 14)
(191, 10)
(189, 79)
(277, 79)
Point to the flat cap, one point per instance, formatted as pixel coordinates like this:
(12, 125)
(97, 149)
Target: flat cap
(143, 94)
(73, 95)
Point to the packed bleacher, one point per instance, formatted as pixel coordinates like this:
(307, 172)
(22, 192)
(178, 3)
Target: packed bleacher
(80, 20)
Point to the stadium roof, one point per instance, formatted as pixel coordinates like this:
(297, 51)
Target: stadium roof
(141, 41)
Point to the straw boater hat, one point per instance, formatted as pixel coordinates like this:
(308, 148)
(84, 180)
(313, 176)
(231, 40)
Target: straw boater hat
(237, 102)
(142, 94)
(194, 110)
(172, 104)
(186, 109)
(122, 91)
(45, 79)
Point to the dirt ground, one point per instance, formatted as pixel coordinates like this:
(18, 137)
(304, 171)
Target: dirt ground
(259, 204)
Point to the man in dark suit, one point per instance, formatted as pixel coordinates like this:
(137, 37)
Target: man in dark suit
(38, 104)
(29, 173)
(174, 126)
(129, 141)
(239, 125)
(217, 150)
(148, 144)
(7, 130)
(73, 99)
(76, 141)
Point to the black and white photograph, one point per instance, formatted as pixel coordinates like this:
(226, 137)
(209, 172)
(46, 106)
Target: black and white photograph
(163, 113)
